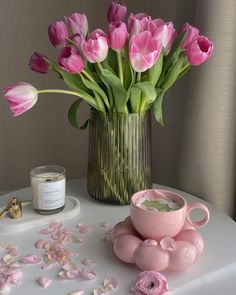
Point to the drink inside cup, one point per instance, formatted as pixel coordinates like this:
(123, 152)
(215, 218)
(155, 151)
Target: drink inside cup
(157, 202)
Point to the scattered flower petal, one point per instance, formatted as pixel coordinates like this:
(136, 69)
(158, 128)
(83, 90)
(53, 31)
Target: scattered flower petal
(89, 262)
(44, 281)
(78, 292)
(5, 288)
(83, 228)
(105, 224)
(30, 259)
(110, 284)
(150, 242)
(88, 275)
(39, 244)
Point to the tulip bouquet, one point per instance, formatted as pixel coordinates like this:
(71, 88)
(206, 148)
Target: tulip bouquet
(121, 74)
(126, 70)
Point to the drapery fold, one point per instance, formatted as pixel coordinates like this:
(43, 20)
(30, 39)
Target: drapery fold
(207, 159)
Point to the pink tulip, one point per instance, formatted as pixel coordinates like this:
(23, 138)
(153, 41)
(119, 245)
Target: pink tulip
(76, 38)
(116, 12)
(192, 32)
(165, 32)
(38, 63)
(199, 51)
(95, 48)
(117, 35)
(138, 23)
(78, 23)
(70, 60)
(57, 33)
(144, 51)
(21, 97)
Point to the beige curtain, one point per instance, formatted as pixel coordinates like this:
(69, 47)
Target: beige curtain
(207, 157)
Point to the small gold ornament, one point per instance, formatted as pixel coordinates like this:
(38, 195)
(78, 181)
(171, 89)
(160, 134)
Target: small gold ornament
(13, 208)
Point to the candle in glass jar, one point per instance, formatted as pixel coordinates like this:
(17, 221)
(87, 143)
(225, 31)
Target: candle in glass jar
(48, 189)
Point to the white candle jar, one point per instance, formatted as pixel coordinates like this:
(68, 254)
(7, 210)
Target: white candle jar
(48, 185)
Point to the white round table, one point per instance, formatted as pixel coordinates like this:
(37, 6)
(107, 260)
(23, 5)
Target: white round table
(214, 272)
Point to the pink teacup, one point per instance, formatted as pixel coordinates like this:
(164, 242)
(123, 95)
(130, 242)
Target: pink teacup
(156, 225)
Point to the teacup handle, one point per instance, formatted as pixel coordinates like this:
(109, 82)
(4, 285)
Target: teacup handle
(201, 222)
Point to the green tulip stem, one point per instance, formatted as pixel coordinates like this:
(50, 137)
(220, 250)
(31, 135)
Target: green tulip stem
(139, 76)
(59, 91)
(120, 67)
(88, 76)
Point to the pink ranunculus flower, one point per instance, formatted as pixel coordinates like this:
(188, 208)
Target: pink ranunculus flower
(38, 63)
(95, 48)
(199, 51)
(70, 60)
(144, 51)
(150, 283)
(116, 12)
(57, 33)
(165, 32)
(117, 35)
(192, 32)
(78, 23)
(21, 97)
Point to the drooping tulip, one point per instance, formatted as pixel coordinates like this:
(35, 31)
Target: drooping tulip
(116, 12)
(21, 97)
(144, 51)
(199, 51)
(71, 60)
(57, 33)
(78, 23)
(192, 32)
(38, 63)
(117, 35)
(95, 48)
(165, 32)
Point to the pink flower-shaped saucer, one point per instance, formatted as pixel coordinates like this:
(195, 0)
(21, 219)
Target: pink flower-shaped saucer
(175, 254)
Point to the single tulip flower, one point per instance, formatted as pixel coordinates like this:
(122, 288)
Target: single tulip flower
(70, 60)
(199, 51)
(165, 32)
(78, 23)
(117, 35)
(95, 48)
(21, 97)
(76, 38)
(57, 33)
(116, 12)
(144, 51)
(38, 63)
(138, 23)
(192, 32)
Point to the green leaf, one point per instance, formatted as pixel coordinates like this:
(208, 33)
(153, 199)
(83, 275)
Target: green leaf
(184, 71)
(155, 71)
(107, 85)
(135, 98)
(148, 96)
(128, 75)
(112, 60)
(157, 106)
(172, 56)
(119, 93)
(173, 73)
(96, 89)
(72, 112)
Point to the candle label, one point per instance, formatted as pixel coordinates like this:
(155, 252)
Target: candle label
(51, 195)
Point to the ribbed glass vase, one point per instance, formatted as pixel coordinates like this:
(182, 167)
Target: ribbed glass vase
(119, 157)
